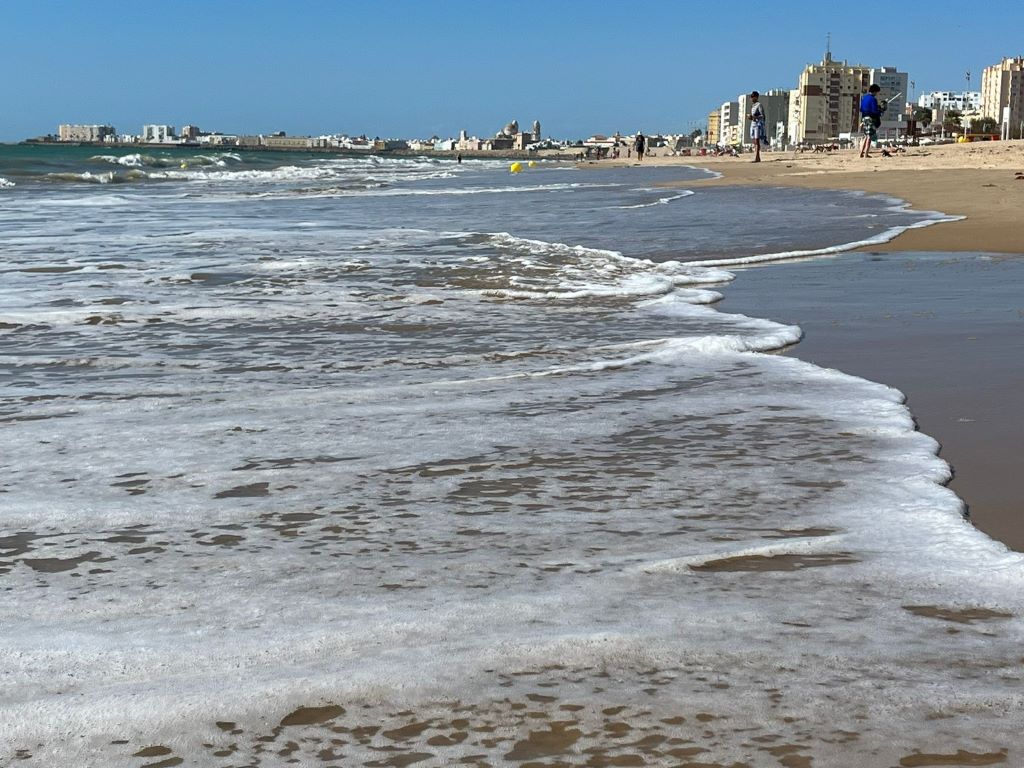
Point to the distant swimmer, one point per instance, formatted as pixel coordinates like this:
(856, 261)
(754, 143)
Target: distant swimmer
(458, 158)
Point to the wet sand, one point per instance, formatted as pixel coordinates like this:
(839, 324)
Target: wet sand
(946, 329)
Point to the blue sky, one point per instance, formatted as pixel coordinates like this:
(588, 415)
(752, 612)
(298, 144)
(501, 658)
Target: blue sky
(418, 68)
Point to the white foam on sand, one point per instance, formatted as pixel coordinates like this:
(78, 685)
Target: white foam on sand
(307, 618)
(255, 469)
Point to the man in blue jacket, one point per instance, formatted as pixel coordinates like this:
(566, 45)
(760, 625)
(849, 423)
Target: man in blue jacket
(870, 119)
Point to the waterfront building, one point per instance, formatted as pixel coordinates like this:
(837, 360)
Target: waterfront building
(829, 99)
(826, 102)
(282, 141)
(385, 144)
(189, 133)
(962, 101)
(217, 139)
(468, 143)
(1002, 96)
(85, 133)
(729, 116)
(714, 129)
(508, 138)
(158, 134)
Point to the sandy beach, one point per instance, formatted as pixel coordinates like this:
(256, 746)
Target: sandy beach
(919, 330)
(978, 181)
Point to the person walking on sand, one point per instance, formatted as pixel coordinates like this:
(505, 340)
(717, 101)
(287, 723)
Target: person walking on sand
(870, 118)
(757, 119)
(640, 144)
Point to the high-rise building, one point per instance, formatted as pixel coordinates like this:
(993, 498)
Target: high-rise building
(85, 133)
(714, 132)
(729, 119)
(827, 102)
(829, 98)
(158, 134)
(1002, 96)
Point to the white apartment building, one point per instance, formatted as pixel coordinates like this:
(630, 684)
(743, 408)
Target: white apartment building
(158, 134)
(217, 139)
(85, 133)
(963, 101)
(728, 120)
(1002, 96)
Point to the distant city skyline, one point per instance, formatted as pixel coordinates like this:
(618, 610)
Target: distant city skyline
(322, 66)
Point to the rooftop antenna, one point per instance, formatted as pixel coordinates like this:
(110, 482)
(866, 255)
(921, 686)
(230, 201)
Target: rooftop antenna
(828, 46)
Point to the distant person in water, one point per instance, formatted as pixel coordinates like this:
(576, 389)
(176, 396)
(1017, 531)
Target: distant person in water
(640, 144)
(757, 120)
(458, 158)
(870, 118)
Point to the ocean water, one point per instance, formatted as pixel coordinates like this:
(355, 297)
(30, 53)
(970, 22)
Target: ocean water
(358, 461)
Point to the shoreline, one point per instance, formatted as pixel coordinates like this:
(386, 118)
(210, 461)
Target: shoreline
(898, 318)
(960, 385)
(977, 181)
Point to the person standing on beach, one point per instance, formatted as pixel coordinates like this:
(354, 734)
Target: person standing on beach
(757, 119)
(870, 118)
(640, 144)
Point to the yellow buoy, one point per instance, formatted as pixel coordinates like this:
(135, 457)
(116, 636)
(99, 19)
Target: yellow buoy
(532, 164)
(184, 165)
(515, 167)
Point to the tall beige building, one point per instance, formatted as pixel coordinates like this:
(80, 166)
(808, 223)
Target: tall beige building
(827, 100)
(1002, 95)
(84, 133)
(714, 134)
